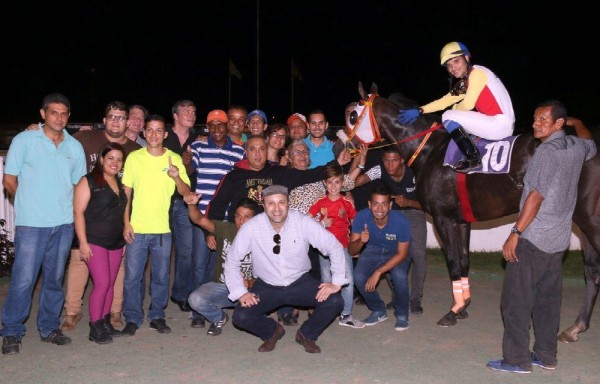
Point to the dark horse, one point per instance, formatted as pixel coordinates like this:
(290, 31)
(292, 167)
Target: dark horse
(490, 196)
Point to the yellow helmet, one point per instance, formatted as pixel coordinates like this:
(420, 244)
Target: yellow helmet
(452, 50)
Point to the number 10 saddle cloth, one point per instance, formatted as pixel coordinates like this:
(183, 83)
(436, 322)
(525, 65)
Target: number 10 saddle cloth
(495, 154)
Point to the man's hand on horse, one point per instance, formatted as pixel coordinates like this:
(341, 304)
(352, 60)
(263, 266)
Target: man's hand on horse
(408, 116)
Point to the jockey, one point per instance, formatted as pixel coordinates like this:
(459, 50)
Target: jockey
(481, 105)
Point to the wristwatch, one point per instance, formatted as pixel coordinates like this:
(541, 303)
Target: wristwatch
(516, 230)
(360, 166)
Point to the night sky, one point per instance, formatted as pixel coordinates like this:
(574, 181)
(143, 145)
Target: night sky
(99, 51)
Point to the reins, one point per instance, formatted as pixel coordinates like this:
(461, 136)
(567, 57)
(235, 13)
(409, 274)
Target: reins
(368, 111)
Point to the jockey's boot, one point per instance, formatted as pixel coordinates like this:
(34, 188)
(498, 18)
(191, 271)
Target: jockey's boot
(472, 158)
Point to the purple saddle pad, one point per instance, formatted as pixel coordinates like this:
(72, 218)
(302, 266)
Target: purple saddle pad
(495, 154)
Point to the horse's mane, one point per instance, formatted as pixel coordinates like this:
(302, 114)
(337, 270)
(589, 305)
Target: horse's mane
(402, 101)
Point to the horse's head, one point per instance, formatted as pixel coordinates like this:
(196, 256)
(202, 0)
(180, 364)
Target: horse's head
(361, 127)
(373, 120)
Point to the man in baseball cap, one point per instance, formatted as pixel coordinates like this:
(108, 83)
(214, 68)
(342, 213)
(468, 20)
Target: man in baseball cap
(218, 115)
(257, 122)
(297, 125)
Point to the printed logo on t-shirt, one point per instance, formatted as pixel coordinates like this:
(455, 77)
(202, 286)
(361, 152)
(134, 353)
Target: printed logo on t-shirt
(390, 236)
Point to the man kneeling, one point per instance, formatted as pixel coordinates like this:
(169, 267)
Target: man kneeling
(278, 240)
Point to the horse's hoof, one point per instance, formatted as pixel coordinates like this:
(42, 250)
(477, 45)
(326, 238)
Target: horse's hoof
(462, 314)
(569, 335)
(447, 320)
(564, 337)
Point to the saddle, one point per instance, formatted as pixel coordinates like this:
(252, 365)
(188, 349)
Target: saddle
(495, 155)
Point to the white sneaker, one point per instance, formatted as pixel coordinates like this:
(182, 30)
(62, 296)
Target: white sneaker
(349, 321)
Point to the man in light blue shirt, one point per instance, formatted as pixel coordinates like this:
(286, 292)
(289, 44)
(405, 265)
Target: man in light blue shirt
(321, 148)
(278, 240)
(42, 168)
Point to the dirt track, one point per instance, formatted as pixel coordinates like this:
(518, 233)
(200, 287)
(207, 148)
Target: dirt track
(426, 353)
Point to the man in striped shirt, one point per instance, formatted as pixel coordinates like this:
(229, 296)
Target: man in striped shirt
(212, 159)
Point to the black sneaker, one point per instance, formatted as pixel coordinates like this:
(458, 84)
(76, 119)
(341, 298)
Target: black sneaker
(11, 345)
(56, 337)
(415, 307)
(182, 304)
(215, 329)
(198, 322)
(130, 329)
(288, 319)
(160, 326)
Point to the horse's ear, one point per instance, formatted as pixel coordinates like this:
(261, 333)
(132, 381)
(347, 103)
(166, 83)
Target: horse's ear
(373, 89)
(361, 91)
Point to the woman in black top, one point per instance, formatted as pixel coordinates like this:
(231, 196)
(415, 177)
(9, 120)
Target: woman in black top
(99, 205)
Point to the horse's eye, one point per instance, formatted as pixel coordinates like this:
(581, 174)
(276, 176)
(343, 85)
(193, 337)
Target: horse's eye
(353, 117)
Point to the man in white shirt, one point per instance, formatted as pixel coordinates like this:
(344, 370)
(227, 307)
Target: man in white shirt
(278, 240)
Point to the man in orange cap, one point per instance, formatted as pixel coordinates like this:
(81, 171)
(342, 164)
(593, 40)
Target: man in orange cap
(298, 127)
(211, 160)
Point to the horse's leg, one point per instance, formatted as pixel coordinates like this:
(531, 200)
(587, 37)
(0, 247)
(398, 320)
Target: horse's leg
(455, 240)
(592, 285)
(464, 232)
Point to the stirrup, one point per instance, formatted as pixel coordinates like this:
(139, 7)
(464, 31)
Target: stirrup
(465, 165)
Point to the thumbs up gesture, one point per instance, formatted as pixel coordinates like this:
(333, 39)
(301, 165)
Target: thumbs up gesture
(186, 156)
(364, 235)
(173, 171)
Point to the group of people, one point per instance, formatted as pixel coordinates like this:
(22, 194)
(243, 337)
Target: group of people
(260, 217)
(125, 195)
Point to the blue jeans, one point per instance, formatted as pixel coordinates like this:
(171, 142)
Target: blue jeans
(210, 299)
(158, 247)
(371, 258)
(301, 293)
(37, 248)
(347, 290)
(192, 256)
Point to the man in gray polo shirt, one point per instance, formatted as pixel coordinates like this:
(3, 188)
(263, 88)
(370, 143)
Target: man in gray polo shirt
(532, 289)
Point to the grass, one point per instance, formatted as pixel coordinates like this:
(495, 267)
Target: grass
(493, 262)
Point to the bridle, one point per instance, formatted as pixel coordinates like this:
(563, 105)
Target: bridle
(366, 124)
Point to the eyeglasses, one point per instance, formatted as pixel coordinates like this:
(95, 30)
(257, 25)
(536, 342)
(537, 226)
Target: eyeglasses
(116, 118)
(277, 247)
(299, 152)
(278, 135)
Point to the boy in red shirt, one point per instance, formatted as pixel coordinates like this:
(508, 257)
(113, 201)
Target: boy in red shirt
(335, 212)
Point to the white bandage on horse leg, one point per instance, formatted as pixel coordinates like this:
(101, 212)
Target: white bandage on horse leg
(457, 293)
(465, 288)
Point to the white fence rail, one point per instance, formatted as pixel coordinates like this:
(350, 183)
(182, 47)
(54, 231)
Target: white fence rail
(485, 236)
(7, 211)
(491, 235)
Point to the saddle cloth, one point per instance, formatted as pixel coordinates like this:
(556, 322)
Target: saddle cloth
(495, 155)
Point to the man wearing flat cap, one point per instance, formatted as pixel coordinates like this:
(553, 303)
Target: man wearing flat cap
(278, 240)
